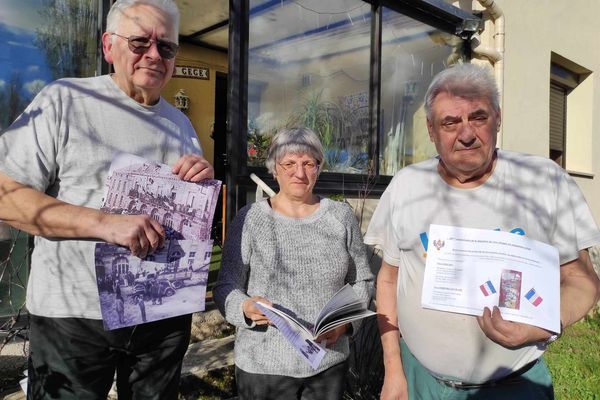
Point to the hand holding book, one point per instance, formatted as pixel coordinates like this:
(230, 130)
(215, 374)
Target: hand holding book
(253, 313)
(344, 307)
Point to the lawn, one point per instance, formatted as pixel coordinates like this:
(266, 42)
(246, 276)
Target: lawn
(574, 361)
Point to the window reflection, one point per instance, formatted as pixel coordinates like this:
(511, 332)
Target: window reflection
(412, 53)
(43, 40)
(309, 66)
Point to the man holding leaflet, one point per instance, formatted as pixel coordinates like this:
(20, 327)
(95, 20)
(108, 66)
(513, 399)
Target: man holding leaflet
(432, 354)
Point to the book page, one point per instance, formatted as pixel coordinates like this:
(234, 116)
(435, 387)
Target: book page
(296, 334)
(345, 306)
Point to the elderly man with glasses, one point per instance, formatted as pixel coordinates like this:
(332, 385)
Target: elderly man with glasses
(55, 161)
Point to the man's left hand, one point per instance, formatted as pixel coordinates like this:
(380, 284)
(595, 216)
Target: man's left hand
(507, 333)
(193, 168)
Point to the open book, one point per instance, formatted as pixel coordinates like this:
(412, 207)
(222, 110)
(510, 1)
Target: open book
(345, 306)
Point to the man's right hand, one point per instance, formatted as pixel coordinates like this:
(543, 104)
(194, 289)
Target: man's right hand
(141, 234)
(394, 387)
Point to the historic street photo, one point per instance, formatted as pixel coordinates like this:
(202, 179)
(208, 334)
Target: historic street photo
(137, 186)
(172, 280)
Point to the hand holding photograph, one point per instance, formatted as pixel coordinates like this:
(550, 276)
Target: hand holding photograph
(172, 280)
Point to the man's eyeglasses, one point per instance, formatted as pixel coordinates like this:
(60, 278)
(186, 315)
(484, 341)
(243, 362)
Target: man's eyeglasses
(291, 167)
(141, 44)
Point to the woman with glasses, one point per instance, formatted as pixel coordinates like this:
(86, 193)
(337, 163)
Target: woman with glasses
(294, 250)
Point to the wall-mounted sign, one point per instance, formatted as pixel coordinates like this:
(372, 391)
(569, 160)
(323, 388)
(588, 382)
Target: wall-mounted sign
(182, 71)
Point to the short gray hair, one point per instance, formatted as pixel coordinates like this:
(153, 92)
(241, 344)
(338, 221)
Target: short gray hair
(166, 6)
(295, 141)
(468, 81)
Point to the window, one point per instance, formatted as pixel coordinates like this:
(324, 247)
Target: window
(35, 48)
(309, 66)
(40, 41)
(558, 114)
(412, 54)
(570, 115)
(120, 265)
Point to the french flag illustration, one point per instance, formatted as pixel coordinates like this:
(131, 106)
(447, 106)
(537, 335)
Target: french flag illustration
(487, 288)
(533, 297)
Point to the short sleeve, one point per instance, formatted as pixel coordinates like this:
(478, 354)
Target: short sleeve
(586, 229)
(575, 228)
(381, 231)
(29, 145)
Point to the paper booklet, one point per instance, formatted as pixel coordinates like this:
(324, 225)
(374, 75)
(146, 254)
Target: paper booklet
(345, 306)
(172, 280)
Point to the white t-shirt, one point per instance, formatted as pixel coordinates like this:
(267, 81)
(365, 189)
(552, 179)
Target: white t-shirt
(63, 145)
(526, 195)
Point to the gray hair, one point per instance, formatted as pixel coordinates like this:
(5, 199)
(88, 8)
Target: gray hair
(468, 81)
(166, 6)
(295, 141)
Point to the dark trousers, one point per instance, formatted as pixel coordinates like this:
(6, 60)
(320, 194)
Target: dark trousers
(327, 385)
(75, 358)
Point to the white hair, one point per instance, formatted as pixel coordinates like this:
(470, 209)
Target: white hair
(295, 141)
(166, 6)
(468, 81)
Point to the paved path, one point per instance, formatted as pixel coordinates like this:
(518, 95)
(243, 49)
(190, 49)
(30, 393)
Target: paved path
(208, 355)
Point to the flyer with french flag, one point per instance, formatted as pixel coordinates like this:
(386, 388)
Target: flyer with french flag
(469, 269)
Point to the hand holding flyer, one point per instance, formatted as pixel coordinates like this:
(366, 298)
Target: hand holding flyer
(469, 269)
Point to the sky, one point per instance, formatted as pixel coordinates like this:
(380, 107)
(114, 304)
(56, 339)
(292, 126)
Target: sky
(18, 21)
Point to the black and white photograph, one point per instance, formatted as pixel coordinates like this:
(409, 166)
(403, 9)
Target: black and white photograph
(172, 280)
(138, 186)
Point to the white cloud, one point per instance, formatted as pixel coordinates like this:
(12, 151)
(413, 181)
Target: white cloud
(21, 14)
(33, 68)
(34, 86)
(2, 84)
(19, 44)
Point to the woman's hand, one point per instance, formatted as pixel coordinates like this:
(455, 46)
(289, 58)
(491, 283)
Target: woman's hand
(253, 313)
(330, 338)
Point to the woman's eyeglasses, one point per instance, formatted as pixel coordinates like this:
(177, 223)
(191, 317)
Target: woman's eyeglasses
(290, 167)
(141, 44)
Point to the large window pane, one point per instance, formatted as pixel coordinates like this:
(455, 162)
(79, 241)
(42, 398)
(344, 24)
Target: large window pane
(43, 40)
(412, 53)
(309, 66)
(40, 40)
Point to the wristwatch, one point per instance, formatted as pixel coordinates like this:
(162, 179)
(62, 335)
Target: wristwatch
(553, 337)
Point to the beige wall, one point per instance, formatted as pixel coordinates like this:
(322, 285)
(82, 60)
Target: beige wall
(535, 30)
(201, 92)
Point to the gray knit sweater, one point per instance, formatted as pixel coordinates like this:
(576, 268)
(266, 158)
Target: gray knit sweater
(298, 264)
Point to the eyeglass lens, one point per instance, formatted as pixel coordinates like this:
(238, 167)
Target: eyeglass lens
(292, 167)
(141, 44)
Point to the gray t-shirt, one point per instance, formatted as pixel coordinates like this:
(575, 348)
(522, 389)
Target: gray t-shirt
(297, 263)
(63, 145)
(526, 195)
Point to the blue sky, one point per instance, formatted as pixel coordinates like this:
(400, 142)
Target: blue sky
(18, 22)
